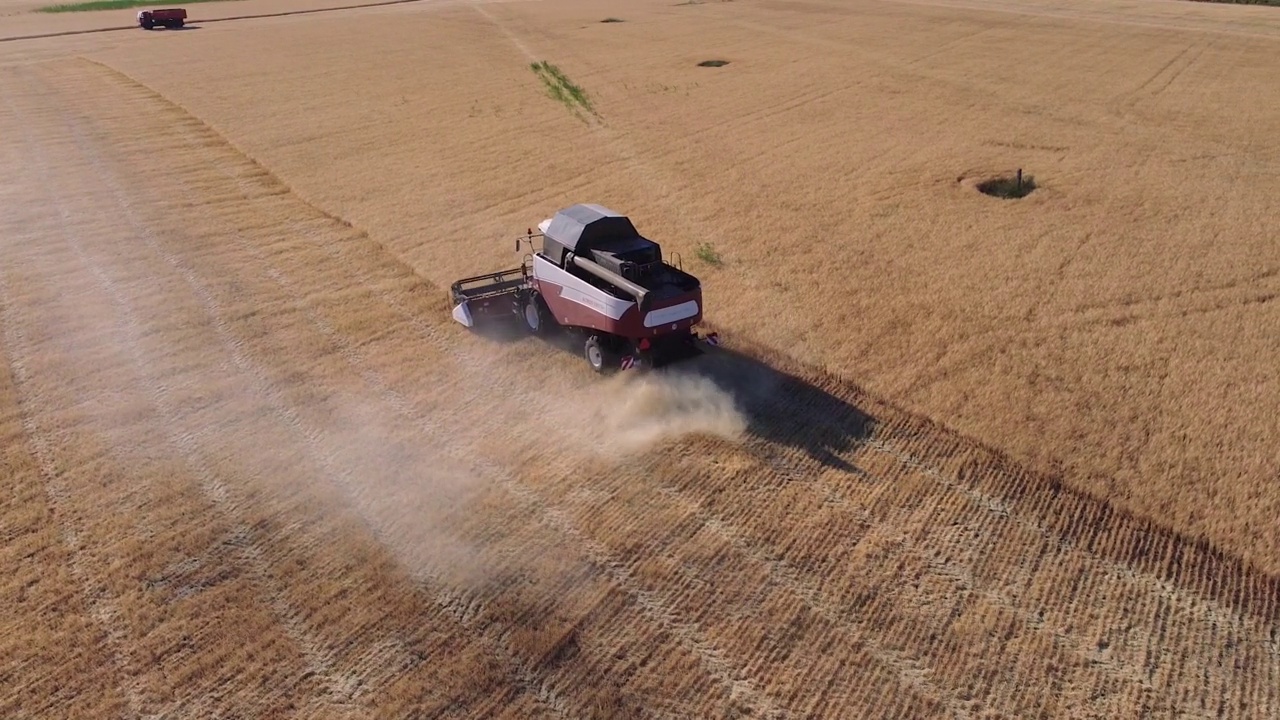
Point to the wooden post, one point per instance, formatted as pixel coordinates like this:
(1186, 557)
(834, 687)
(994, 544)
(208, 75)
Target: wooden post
(1019, 181)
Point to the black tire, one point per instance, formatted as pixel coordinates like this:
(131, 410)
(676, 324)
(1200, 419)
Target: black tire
(535, 314)
(598, 356)
(147, 25)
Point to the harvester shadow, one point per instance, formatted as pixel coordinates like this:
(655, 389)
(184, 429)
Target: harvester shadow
(784, 409)
(779, 407)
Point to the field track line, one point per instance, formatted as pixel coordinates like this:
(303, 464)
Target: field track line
(1003, 511)
(380, 660)
(460, 605)
(101, 606)
(1166, 75)
(541, 507)
(663, 614)
(1054, 13)
(998, 507)
(319, 661)
(530, 55)
(1004, 490)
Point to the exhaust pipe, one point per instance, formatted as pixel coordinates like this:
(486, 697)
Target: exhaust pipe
(640, 294)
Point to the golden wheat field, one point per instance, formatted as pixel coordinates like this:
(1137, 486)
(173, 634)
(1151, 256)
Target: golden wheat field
(958, 456)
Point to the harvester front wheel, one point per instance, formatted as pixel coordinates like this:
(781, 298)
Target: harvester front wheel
(535, 314)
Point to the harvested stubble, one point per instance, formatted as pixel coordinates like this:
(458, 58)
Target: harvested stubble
(1115, 325)
(263, 475)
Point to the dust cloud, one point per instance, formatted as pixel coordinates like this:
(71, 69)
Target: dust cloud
(628, 414)
(638, 413)
(562, 408)
(414, 478)
(404, 488)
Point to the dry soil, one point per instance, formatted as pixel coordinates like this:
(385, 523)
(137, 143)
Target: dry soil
(958, 456)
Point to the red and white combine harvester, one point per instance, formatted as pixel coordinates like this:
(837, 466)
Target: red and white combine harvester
(168, 17)
(597, 278)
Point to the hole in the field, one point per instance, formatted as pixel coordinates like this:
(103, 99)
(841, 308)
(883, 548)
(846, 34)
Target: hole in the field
(713, 63)
(612, 20)
(1008, 187)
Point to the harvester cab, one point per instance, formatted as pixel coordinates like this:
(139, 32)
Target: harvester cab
(595, 277)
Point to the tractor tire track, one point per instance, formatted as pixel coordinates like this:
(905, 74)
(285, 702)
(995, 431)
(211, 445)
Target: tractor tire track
(319, 662)
(382, 660)
(1167, 74)
(908, 677)
(463, 606)
(1004, 494)
(1111, 572)
(397, 402)
(991, 503)
(102, 608)
(1001, 500)
(541, 507)
(660, 182)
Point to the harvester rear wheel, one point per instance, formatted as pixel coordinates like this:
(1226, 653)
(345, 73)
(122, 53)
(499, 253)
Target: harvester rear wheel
(598, 356)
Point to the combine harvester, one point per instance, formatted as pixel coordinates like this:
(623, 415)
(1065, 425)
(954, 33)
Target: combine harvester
(597, 278)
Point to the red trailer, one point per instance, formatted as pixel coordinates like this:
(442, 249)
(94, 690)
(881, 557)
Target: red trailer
(168, 17)
(596, 277)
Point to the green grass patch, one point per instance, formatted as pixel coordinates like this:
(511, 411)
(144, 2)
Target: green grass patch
(113, 5)
(561, 88)
(708, 255)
